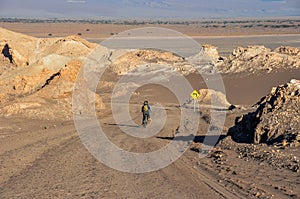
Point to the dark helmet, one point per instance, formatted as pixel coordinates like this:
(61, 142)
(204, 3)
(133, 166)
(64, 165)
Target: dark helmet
(145, 102)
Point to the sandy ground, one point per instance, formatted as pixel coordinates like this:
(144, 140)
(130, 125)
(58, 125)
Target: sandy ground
(225, 38)
(245, 89)
(105, 30)
(46, 159)
(42, 159)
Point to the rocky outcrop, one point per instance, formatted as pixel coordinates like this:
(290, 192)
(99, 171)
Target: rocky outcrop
(5, 64)
(276, 119)
(17, 48)
(288, 50)
(255, 58)
(25, 50)
(39, 71)
(212, 52)
(132, 59)
(219, 98)
(52, 99)
(202, 62)
(210, 99)
(39, 82)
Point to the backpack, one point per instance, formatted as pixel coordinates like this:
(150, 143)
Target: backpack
(145, 108)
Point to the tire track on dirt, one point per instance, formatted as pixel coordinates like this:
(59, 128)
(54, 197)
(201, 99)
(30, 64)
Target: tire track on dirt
(18, 182)
(66, 169)
(13, 162)
(208, 180)
(183, 173)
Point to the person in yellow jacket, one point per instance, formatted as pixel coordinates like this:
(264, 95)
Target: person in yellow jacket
(146, 113)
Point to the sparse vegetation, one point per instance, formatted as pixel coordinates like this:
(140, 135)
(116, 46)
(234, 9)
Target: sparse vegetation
(273, 23)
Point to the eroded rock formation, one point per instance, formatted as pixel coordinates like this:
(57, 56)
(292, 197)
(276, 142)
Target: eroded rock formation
(276, 119)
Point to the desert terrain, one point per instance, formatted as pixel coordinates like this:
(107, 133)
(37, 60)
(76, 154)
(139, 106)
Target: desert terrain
(226, 34)
(42, 153)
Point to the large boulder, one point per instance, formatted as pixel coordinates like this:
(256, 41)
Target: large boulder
(212, 52)
(213, 98)
(209, 98)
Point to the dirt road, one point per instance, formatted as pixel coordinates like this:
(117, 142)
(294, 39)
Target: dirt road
(47, 159)
(42, 159)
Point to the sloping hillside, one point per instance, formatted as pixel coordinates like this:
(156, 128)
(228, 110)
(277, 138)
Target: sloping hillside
(38, 75)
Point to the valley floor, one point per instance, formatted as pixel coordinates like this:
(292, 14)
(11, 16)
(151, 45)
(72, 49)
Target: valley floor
(47, 159)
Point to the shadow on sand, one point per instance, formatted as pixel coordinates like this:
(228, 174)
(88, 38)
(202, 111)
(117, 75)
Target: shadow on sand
(211, 140)
(127, 125)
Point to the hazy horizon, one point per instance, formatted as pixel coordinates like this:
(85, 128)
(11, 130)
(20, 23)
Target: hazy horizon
(170, 9)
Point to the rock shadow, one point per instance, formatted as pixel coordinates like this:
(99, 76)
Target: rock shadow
(6, 53)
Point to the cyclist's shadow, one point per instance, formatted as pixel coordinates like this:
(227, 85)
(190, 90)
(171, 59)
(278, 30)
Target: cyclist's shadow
(126, 125)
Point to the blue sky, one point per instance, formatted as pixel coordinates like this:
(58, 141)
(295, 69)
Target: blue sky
(148, 9)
